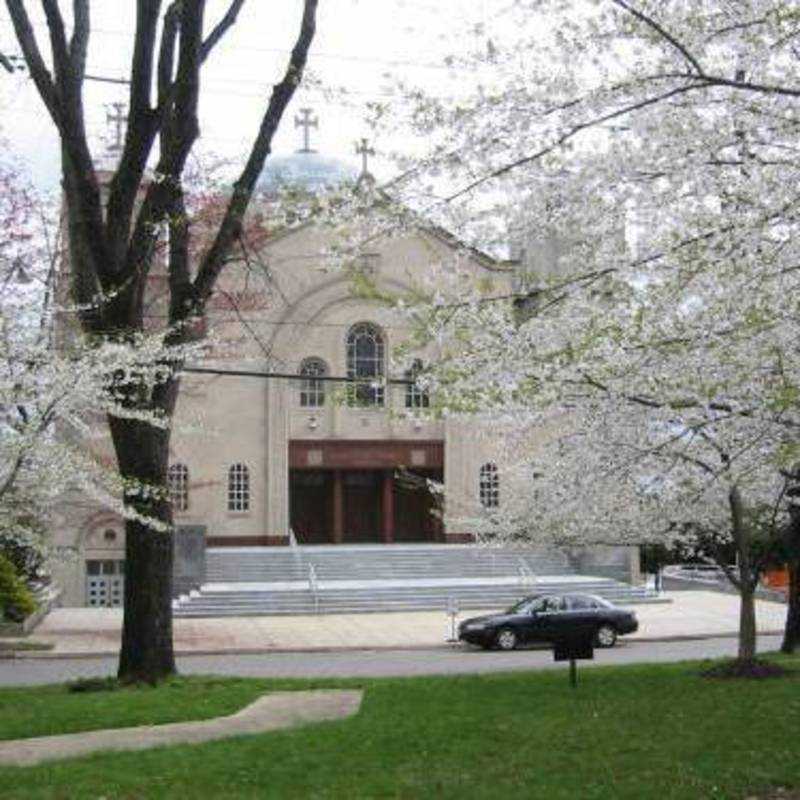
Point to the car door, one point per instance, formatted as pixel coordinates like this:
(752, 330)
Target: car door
(581, 616)
(550, 619)
(525, 621)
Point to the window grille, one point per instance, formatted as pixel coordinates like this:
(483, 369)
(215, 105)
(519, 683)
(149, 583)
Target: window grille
(365, 362)
(178, 484)
(239, 488)
(105, 583)
(312, 392)
(489, 486)
(415, 397)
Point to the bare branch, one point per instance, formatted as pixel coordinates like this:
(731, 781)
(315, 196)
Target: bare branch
(141, 132)
(80, 36)
(221, 28)
(664, 34)
(5, 62)
(62, 62)
(179, 130)
(33, 58)
(166, 55)
(213, 261)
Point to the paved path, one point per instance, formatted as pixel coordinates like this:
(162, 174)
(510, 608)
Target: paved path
(442, 660)
(268, 713)
(94, 631)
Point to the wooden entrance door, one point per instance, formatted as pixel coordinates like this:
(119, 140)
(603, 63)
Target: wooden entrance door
(362, 506)
(310, 506)
(413, 503)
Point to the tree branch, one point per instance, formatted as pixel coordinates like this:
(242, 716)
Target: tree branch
(141, 131)
(179, 131)
(33, 58)
(62, 61)
(213, 261)
(221, 28)
(664, 34)
(79, 42)
(166, 55)
(573, 131)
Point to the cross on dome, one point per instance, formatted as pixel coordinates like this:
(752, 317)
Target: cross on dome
(305, 121)
(365, 151)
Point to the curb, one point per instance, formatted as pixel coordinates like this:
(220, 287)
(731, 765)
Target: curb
(20, 655)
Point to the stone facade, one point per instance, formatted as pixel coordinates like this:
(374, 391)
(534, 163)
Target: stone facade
(269, 318)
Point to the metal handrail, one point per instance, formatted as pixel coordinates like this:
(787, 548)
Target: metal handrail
(527, 577)
(702, 573)
(313, 587)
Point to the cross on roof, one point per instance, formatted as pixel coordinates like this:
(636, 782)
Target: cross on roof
(304, 120)
(118, 119)
(365, 151)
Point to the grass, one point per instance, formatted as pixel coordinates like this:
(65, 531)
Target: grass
(649, 731)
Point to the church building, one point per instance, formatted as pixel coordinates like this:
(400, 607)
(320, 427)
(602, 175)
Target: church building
(270, 446)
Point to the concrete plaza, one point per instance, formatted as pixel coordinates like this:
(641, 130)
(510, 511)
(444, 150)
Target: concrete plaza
(93, 632)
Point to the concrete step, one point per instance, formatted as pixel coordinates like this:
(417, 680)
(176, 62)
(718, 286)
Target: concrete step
(393, 561)
(398, 599)
(367, 578)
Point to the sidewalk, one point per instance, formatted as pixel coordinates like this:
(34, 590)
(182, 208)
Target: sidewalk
(271, 712)
(90, 631)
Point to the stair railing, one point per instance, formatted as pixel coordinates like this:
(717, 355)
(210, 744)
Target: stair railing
(313, 586)
(527, 578)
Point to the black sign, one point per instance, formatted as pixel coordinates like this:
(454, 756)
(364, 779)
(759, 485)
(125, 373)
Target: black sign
(568, 651)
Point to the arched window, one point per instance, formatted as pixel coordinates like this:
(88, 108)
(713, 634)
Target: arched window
(178, 485)
(312, 392)
(489, 486)
(365, 361)
(415, 397)
(239, 488)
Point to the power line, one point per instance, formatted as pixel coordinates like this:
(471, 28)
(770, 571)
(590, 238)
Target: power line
(283, 51)
(259, 321)
(244, 373)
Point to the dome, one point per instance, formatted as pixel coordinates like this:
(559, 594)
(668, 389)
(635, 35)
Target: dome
(306, 170)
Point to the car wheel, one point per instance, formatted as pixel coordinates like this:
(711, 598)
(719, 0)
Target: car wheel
(606, 636)
(506, 639)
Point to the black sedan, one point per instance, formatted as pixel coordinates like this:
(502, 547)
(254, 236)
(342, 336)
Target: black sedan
(548, 618)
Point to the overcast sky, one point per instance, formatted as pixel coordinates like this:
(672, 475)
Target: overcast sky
(361, 46)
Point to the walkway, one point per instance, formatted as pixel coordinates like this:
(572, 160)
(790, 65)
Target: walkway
(89, 631)
(268, 713)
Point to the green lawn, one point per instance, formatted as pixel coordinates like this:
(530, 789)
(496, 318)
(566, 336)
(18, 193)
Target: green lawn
(631, 732)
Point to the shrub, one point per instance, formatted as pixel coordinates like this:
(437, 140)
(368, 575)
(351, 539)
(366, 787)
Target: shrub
(28, 560)
(16, 601)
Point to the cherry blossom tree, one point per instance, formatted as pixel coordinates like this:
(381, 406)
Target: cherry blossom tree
(53, 380)
(605, 472)
(641, 159)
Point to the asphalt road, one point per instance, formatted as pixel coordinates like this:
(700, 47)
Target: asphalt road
(375, 663)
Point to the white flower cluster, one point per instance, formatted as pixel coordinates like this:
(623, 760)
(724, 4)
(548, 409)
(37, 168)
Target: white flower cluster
(645, 164)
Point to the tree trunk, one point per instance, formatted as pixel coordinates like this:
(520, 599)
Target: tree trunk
(143, 454)
(791, 633)
(745, 583)
(747, 624)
